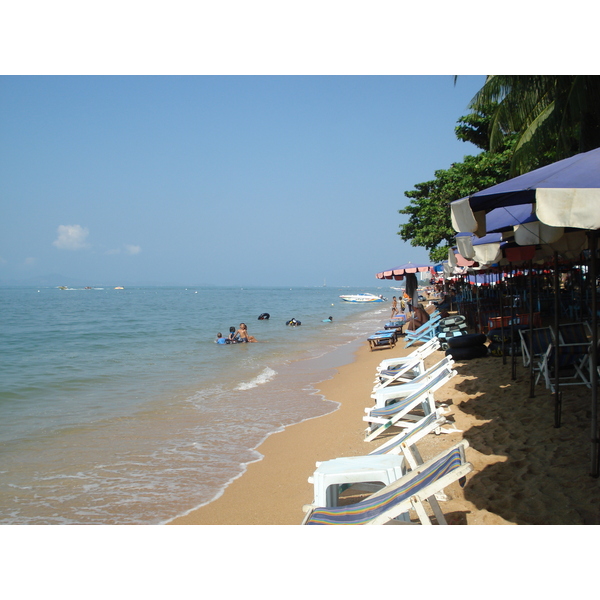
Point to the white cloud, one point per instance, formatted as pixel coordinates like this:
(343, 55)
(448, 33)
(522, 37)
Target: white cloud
(30, 261)
(132, 249)
(71, 237)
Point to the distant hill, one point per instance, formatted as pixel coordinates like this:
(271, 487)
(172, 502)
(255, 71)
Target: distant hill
(44, 281)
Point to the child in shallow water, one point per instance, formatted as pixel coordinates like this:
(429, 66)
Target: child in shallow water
(241, 335)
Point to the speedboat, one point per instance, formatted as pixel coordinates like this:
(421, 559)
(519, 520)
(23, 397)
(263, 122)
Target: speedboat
(362, 298)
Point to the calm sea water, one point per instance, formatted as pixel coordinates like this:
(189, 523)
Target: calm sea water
(116, 406)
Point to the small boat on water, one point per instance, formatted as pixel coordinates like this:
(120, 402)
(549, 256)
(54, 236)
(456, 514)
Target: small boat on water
(363, 298)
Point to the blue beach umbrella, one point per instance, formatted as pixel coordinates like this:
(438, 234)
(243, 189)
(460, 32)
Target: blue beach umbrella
(564, 194)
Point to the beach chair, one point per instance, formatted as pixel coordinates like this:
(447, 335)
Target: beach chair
(382, 340)
(380, 467)
(402, 413)
(386, 394)
(405, 441)
(404, 369)
(411, 369)
(542, 338)
(426, 332)
(575, 333)
(573, 359)
(411, 491)
(421, 352)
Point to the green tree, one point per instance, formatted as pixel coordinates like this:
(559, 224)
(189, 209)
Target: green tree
(551, 116)
(429, 224)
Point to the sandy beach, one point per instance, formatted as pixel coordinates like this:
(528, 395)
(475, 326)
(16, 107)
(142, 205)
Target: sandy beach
(526, 471)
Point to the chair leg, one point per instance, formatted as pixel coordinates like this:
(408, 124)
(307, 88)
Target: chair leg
(437, 511)
(420, 510)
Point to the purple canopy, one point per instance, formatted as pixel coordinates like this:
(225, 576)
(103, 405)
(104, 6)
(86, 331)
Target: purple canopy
(579, 171)
(505, 218)
(565, 194)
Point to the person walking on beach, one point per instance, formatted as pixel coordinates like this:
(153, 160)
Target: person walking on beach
(394, 307)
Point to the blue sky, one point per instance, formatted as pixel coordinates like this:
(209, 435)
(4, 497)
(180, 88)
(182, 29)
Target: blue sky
(225, 180)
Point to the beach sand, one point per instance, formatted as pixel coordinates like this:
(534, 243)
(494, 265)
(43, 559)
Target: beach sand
(526, 471)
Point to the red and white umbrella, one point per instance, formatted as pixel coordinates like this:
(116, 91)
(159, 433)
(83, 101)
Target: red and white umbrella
(408, 270)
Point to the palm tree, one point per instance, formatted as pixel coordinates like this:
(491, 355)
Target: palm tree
(553, 116)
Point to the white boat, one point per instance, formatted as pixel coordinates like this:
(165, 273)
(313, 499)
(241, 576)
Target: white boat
(363, 298)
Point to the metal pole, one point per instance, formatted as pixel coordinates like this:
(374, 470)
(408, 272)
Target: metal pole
(557, 392)
(592, 276)
(513, 375)
(530, 341)
(500, 287)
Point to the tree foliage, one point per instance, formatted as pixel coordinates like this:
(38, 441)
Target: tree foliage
(551, 116)
(429, 224)
(521, 122)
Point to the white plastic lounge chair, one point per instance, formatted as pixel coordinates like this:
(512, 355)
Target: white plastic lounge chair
(405, 441)
(410, 369)
(377, 469)
(401, 413)
(386, 394)
(421, 352)
(426, 332)
(408, 492)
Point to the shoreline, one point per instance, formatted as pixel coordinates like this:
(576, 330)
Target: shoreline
(272, 490)
(526, 471)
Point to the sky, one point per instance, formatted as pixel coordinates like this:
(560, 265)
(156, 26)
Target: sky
(237, 143)
(218, 180)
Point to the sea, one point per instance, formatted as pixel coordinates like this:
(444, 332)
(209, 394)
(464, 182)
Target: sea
(118, 407)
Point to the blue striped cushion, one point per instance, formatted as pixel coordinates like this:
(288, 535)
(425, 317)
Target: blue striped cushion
(368, 509)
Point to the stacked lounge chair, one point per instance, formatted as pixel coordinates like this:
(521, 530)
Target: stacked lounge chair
(425, 332)
(410, 491)
(399, 484)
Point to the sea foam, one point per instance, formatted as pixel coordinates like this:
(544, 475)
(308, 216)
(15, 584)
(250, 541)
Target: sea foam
(267, 375)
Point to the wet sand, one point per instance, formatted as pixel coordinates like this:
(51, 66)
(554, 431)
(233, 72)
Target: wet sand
(526, 471)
